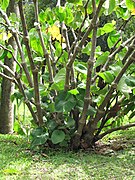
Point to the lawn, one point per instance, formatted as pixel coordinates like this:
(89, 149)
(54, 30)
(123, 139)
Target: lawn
(17, 162)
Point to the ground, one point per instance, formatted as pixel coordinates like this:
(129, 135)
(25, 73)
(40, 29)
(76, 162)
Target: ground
(113, 159)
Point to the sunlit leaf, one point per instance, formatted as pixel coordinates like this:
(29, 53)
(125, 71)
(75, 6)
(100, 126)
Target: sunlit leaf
(130, 4)
(79, 2)
(4, 54)
(107, 76)
(74, 91)
(133, 11)
(5, 36)
(102, 59)
(110, 6)
(5, 4)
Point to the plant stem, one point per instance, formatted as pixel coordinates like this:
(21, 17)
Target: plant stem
(32, 65)
(46, 54)
(87, 97)
(101, 111)
(78, 45)
(115, 129)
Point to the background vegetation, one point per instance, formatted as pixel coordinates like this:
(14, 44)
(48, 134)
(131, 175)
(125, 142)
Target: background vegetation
(72, 66)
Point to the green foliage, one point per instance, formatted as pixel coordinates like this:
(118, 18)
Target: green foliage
(4, 54)
(64, 102)
(4, 4)
(57, 136)
(70, 77)
(59, 80)
(130, 4)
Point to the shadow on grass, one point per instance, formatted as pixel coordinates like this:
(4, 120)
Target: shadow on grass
(17, 162)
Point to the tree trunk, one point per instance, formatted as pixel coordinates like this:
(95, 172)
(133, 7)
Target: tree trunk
(7, 87)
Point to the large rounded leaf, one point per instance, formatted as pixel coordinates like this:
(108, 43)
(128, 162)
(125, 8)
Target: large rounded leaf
(64, 102)
(39, 140)
(57, 136)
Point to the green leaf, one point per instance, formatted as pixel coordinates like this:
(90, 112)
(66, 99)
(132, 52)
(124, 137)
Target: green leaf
(29, 93)
(58, 49)
(51, 125)
(102, 59)
(87, 49)
(74, 91)
(64, 57)
(59, 80)
(4, 54)
(107, 76)
(123, 87)
(64, 102)
(112, 38)
(79, 2)
(132, 115)
(37, 132)
(70, 122)
(47, 16)
(103, 91)
(12, 171)
(57, 136)
(134, 91)
(122, 12)
(60, 13)
(16, 95)
(35, 41)
(5, 4)
(39, 59)
(91, 111)
(9, 55)
(107, 28)
(130, 4)
(39, 140)
(110, 6)
(17, 128)
(81, 68)
(69, 16)
(51, 107)
(116, 69)
(130, 81)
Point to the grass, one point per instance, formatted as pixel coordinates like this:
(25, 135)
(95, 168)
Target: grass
(18, 163)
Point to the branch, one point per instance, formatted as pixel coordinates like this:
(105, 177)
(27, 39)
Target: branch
(100, 112)
(112, 55)
(65, 35)
(122, 27)
(87, 97)
(7, 69)
(15, 34)
(7, 77)
(78, 45)
(52, 58)
(115, 129)
(46, 54)
(32, 65)
(80, 29)
(115, 83)
(130, 50)
(27, 102)
(12, 57)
